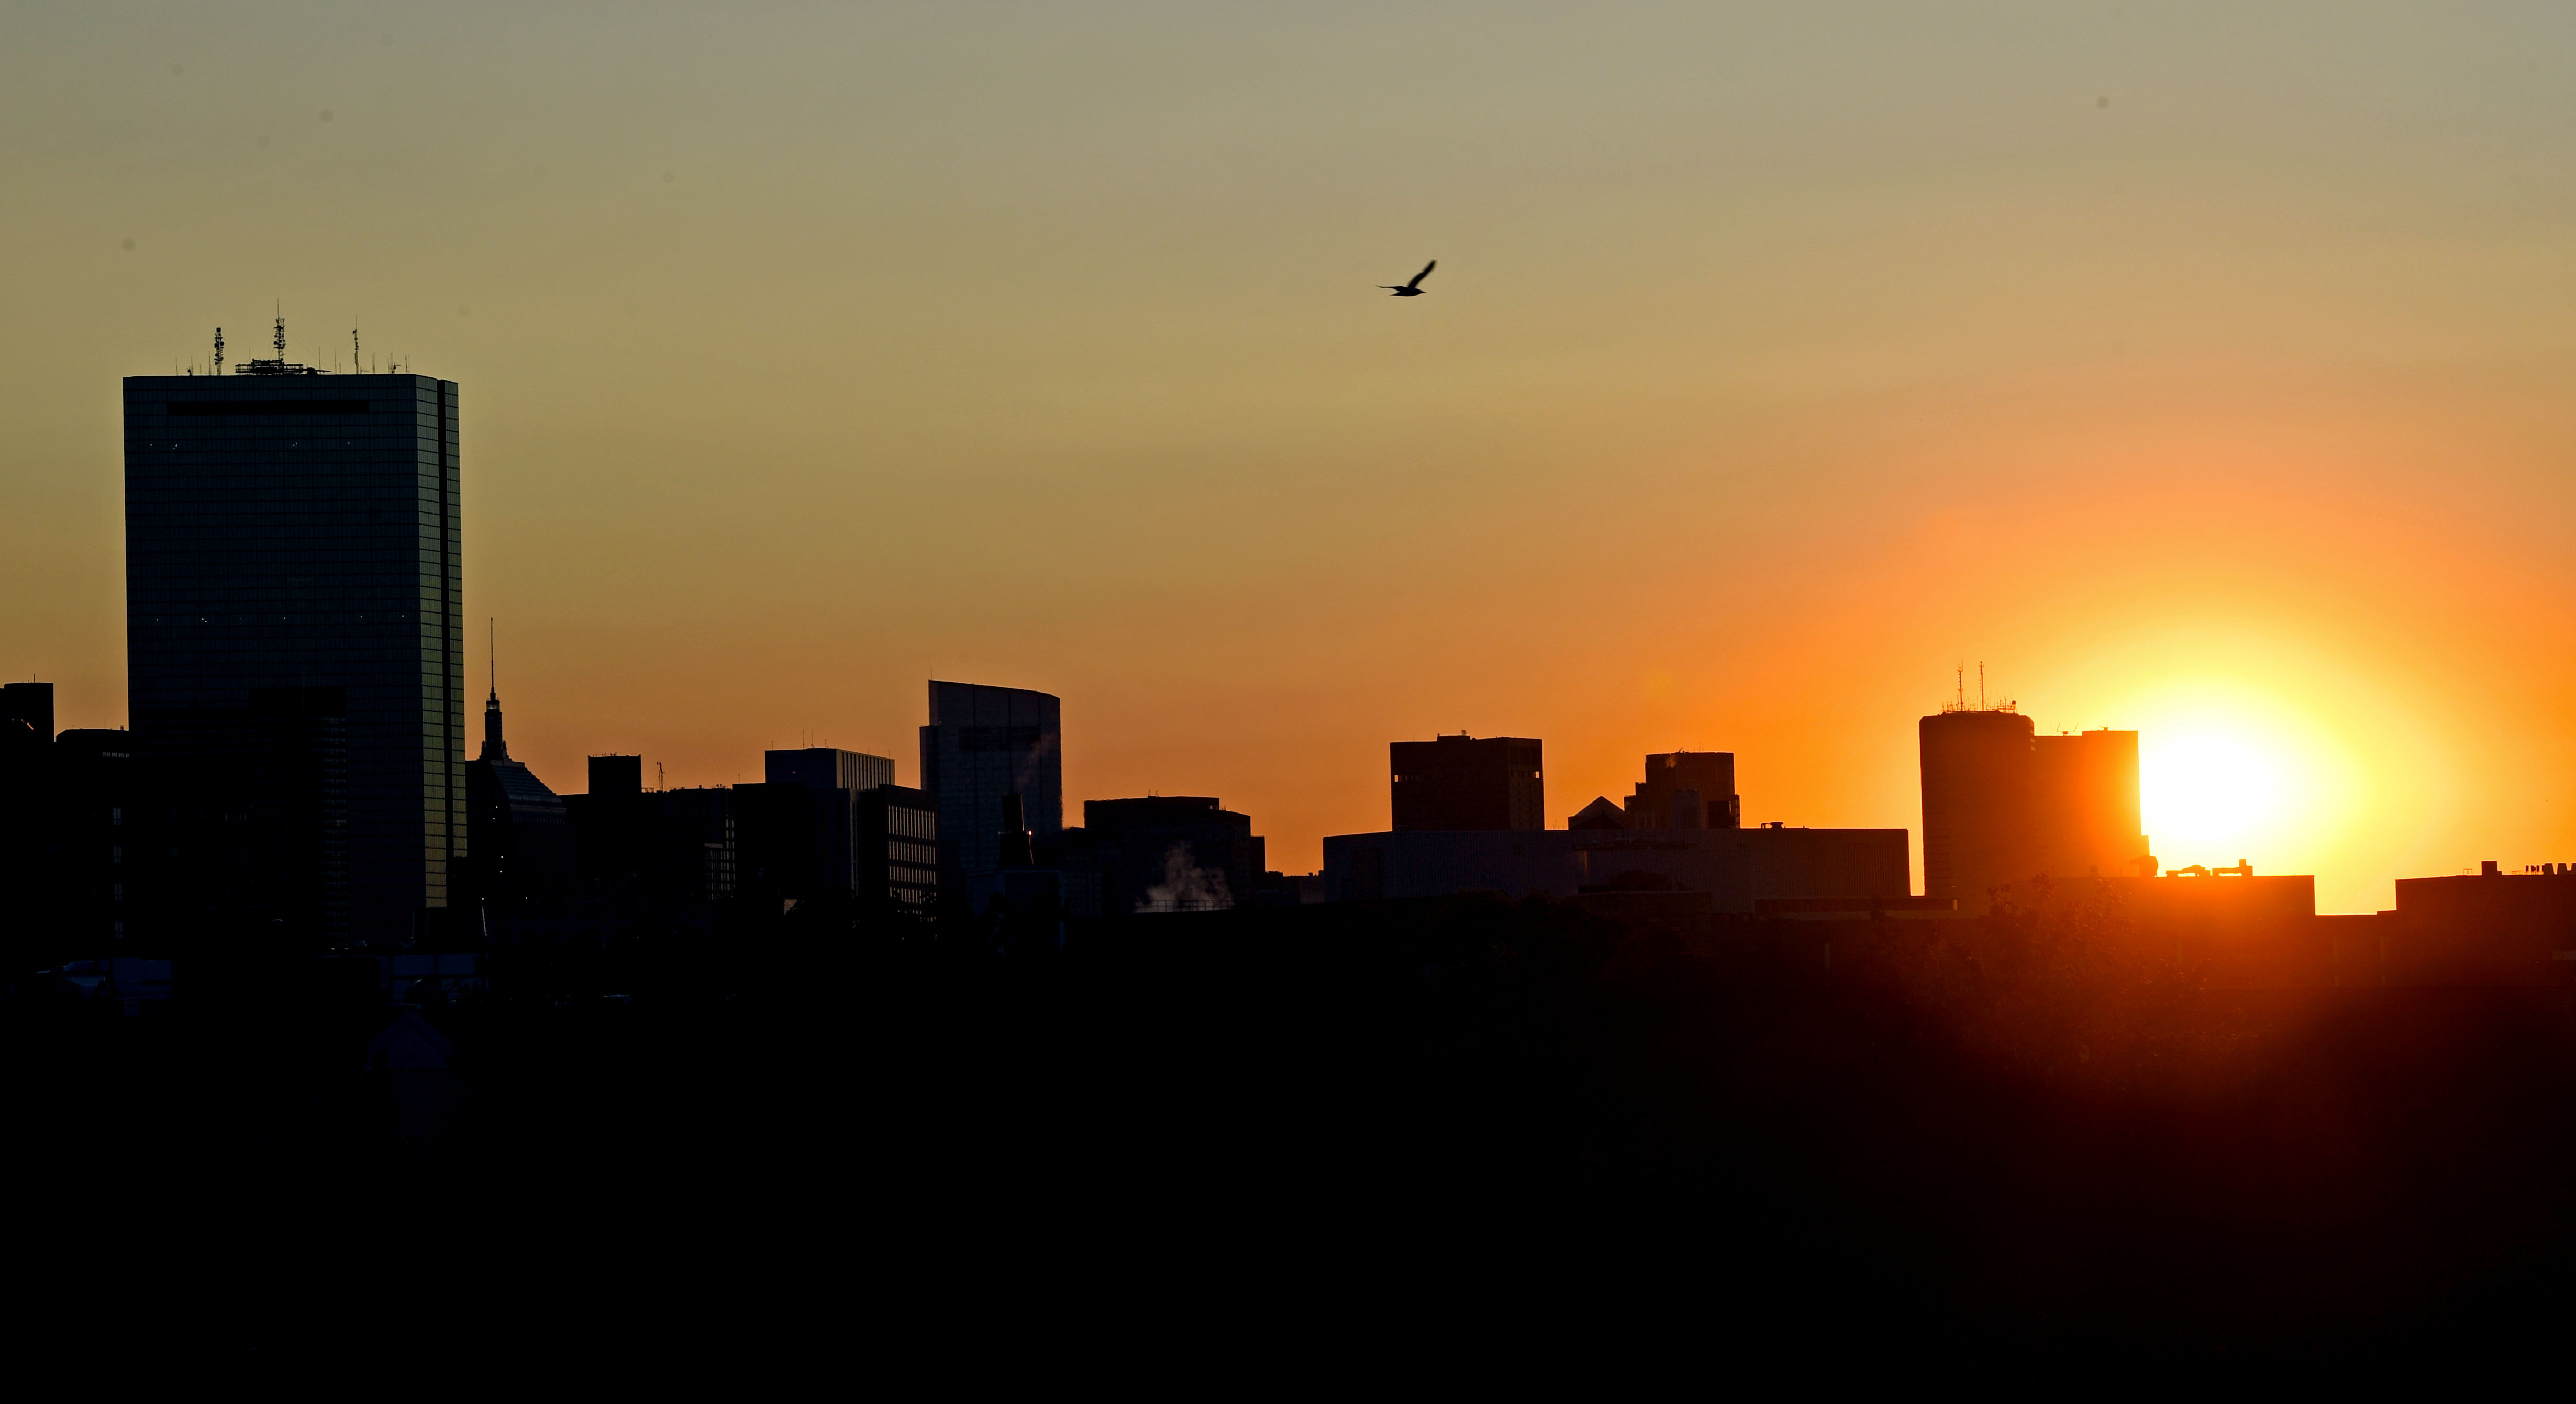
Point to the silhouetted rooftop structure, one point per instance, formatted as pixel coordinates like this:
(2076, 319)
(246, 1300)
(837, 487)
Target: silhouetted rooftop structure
(1465, 783)
(1600, 814)
(1686, 790)
(1161, 853)
(827, 768)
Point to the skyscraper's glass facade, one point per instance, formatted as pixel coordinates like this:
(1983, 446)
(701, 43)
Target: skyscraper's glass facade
(288, 530)
(984, 743)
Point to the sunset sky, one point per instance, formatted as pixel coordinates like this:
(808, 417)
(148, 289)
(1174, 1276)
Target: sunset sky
(2200, 369)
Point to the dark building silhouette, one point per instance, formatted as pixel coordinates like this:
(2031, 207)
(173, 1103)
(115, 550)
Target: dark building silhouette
(657, 847)
(1463, 783)
(2237, 928)
(1686, 790)
(800, 829)
(899, 845)
(519, 846)
(1029, 888)
(26, 767)
(2494, 928)
(827, 768)
(1723, 872)
(67, 834)
(91, 844)
(1162, 853)
(286, 529)
(829, 823)
(1599, 815)
(31, 703)
(614, 775)
(607, 821)
(983, 743)
(690, 852)
(246, 812)
(2003, 805)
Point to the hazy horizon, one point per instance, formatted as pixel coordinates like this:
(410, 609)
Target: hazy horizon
(2199, 371)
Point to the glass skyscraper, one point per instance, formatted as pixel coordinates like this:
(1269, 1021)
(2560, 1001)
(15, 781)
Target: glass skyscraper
(290, 529)
(984, 743)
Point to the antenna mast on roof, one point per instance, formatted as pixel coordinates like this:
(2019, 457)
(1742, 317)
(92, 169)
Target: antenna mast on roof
(219, 350)
(356, 366)
(281, 336)
(1981, 687)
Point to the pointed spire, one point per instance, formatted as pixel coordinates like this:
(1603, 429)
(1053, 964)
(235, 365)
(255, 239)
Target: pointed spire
(494, 748)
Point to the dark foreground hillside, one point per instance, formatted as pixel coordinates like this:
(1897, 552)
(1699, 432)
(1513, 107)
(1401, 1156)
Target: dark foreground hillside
(2007, 1142)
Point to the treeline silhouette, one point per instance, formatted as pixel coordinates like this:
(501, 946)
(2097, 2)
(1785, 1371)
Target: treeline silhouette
(2018, 1138)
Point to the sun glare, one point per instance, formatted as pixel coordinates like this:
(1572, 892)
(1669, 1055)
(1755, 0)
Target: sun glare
(2260, 759)
(2207, 795)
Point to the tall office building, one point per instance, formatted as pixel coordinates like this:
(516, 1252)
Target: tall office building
(983, 743)
(287, 529)
(2003, 805)
(1464, 783)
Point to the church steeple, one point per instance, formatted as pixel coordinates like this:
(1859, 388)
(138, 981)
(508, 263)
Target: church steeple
(493, 746)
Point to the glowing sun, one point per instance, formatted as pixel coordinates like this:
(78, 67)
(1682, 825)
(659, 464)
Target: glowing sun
(2207, 794)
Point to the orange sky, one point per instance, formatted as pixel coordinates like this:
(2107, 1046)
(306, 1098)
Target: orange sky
(2203, 372)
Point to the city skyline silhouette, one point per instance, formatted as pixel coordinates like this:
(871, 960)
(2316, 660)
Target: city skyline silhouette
(1919, 721)
(1777, 368)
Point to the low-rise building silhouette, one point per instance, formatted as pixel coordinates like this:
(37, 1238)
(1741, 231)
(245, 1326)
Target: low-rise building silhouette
(1676, 837)
(1686, 790)
(829, 823)
(69, 844)
(665, 846)
(1464, 783)
(1734, 868)
(609, 842)
(2494, 928)
(1161, 853)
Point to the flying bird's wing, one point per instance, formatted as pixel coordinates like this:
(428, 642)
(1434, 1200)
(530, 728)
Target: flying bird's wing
(1425, 273)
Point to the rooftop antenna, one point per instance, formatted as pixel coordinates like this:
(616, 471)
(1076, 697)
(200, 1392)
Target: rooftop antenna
(1981, 687)
(281, 336)
(1963, 687)
(356, 366)
(492, 652)
(219, 350)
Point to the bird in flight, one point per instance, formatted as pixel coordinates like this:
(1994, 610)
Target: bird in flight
(1414, 287)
